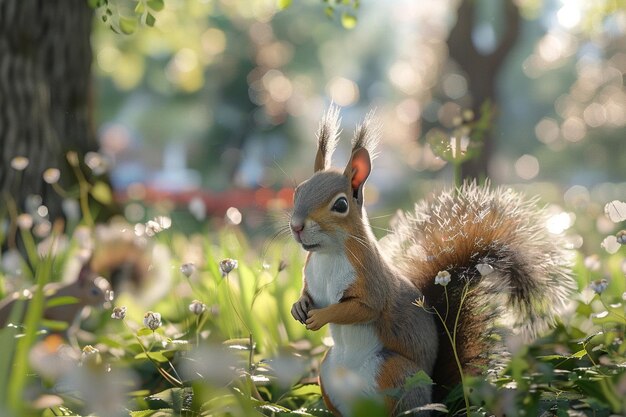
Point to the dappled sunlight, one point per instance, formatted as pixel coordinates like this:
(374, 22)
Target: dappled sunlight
(150, 259)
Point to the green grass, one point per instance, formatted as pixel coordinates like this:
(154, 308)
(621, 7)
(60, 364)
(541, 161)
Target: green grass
(246, 356)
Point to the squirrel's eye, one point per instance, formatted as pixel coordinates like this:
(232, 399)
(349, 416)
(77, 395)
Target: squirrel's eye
(341, 205)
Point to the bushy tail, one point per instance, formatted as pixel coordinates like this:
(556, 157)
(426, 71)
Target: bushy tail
(497, 250)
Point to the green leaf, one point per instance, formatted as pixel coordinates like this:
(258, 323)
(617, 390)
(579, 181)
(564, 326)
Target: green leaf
(420, 379)
(61, 301)
(140, 8)
(101, 191)
(163, 412)
(156, 5)
(283, 4)
(155, 356)
(329, 11)
(348, 20)
(128, 25)
(579, 354)
(150, 20)
(57, 326)
(139, 393)
(367, 407)
(144, 331)
(548, 358)
(439, 142)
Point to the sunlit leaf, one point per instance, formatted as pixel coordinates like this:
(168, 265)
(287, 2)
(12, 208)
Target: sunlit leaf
(150, 20)
(439, 142)
(420, 379)
(128, 25)
(156, 5)
(102, 193)
(348, 20)
(56, 325)
(164, 412)
(283, 4)
(61, 301)
(144, 331)
(155, 356)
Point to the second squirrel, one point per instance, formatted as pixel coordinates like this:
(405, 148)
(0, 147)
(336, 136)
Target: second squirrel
(490, 243)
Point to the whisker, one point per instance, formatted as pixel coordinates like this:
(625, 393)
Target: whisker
(279, 235)
(384, 229)
(292, 179)
(354, 256)
(382, 216)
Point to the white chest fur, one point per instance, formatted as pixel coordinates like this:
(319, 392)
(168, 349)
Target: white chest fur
(328, 275)
(355, 353)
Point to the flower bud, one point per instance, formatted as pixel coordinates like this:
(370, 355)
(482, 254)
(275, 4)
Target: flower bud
(152, 320)
(119, 313)
(197, 307)
(188, 269)
(227, 265)
(442, 278)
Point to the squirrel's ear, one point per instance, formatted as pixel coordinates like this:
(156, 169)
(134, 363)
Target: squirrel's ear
(327, 136)
(357, 171)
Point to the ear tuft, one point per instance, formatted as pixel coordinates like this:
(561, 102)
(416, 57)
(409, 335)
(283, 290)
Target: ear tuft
(327, 137)
(367, 135)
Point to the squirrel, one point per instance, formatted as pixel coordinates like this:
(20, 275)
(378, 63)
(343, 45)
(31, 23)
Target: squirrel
(89, 289)
(116, 263)
(488, 249)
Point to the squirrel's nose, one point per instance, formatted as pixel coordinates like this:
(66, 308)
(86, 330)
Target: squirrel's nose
(296, 226)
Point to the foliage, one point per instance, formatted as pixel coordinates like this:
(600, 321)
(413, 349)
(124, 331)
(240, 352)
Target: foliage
(221, 341)
(124, 16)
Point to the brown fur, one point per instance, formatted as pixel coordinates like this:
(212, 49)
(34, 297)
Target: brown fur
(455, 232)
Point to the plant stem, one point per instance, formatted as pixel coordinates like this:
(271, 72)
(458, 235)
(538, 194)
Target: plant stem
(83, 189)
(452, 339)
(169, 378)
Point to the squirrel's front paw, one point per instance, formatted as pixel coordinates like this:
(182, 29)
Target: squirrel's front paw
(315, 320)
(300, 309)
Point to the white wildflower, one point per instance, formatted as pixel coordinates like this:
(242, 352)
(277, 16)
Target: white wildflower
(188, 269)
(119, 313)
(152, 320)
(197, 307)
(90, 355)
(19, 163)
(25, 221)
(599, 285)
(442, 278)
(157, 225)
(227, 265)
(51, 175)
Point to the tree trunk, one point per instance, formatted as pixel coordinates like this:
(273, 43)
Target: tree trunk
(481, 71)
(45, 67)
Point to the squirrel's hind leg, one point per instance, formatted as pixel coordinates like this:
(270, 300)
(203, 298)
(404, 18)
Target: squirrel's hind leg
(394, 371)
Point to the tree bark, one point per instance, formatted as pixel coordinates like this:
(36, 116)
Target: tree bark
(45, 76)
(481, 71)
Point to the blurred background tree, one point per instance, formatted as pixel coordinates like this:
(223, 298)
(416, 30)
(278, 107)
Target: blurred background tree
(45, 92)
(211, 96)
